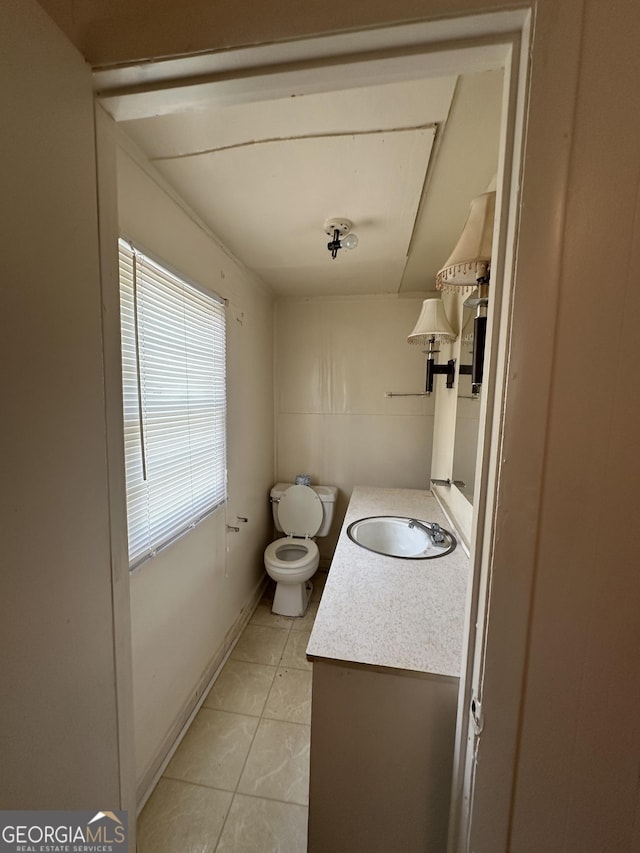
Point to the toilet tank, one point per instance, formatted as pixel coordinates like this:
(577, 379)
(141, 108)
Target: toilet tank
(327, 494)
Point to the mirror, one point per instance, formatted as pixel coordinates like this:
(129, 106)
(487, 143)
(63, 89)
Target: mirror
(467, 417)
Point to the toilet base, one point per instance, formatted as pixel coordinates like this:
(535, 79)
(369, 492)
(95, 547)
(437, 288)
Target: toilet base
(292, 599)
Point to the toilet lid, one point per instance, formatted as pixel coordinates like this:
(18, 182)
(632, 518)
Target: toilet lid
(300, 511)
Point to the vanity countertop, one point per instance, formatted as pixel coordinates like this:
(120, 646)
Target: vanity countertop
(389, 612)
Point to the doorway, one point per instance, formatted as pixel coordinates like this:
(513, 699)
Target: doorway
(415, 50)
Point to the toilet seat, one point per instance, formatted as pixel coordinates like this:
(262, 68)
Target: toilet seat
(306, 547)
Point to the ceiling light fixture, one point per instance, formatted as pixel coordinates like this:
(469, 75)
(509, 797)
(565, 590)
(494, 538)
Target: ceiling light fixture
(341, 235)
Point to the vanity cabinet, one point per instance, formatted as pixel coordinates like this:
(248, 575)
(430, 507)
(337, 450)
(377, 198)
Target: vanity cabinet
(381, 760)
(386, 648)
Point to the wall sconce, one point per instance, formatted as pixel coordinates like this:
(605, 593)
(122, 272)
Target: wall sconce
(433, 327)
(468, 336)
(468, 268)
(342, 236)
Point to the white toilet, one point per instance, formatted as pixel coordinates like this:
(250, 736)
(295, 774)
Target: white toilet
(302, 513)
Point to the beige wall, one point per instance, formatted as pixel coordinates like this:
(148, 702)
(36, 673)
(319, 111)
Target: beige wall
(58, 710)
(579, 729)
(335, 359)
(114, 31)
(186, 601)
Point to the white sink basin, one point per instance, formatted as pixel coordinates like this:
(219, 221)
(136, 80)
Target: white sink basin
(400, 536)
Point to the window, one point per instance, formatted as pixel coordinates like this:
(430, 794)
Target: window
(173, 366)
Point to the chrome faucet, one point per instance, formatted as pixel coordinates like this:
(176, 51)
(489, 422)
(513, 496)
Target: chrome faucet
(433, 530)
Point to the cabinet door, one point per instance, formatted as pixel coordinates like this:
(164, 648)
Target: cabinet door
(381, 760)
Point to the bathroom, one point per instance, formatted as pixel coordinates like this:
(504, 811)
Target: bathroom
(322, 364)
(65, 488)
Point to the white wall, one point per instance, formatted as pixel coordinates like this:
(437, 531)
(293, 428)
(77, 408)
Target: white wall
(187, 601)
(466, 433)
(58, 711)
(449, 420)
(335, 359)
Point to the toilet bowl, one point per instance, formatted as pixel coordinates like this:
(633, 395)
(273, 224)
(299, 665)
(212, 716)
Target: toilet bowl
(291, 562)
(293, 559)
(291, 555)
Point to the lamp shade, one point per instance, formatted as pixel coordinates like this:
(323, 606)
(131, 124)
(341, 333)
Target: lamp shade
(466, 335)
(472, 254)
(432, 324)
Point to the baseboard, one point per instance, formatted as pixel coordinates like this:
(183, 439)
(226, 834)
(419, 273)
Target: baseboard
(172, 741)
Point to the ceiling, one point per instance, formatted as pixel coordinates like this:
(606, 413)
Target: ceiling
(401, 160)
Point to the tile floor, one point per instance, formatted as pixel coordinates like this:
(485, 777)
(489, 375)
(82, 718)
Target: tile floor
(239, 781)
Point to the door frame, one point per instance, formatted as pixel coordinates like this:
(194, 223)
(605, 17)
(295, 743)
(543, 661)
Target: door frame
(528, 249)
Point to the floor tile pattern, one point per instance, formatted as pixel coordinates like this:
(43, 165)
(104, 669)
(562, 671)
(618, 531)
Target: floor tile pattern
(239, 781)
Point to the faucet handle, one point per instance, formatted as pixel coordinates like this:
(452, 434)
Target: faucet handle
(436, 532)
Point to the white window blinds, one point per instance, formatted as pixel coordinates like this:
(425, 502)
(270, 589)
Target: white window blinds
(173, 365)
